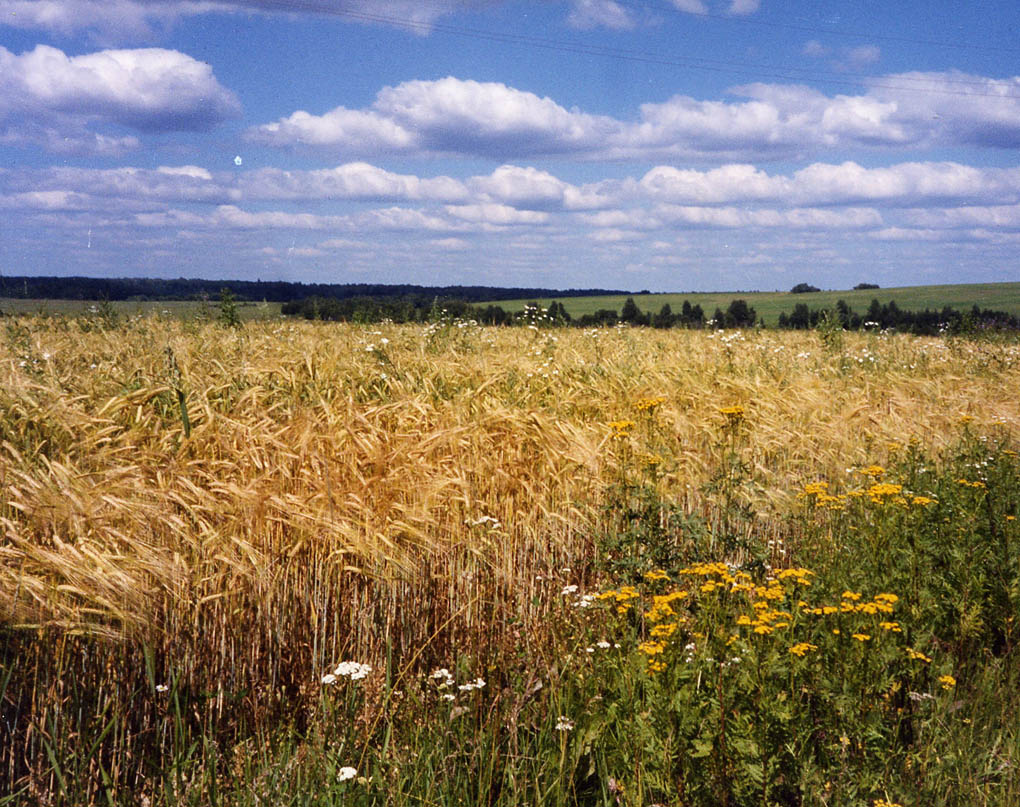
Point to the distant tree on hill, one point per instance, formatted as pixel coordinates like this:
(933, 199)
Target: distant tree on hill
(740, 315)
(665, 318)
(803, 288)
(558, 313)
(632, 315)
(863, 286)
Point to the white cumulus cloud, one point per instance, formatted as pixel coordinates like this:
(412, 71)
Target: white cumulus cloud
(47, 97)
(587, 14)
(358, 181)
(449, 115)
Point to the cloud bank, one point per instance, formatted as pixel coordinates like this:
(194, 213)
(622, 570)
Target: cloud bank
(114, 20)
(453, 116)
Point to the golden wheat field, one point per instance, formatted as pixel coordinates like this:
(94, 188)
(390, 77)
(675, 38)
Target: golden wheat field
(259, 502)
(374, 453)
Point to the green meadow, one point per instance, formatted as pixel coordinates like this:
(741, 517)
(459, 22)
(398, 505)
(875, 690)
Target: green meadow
(770, 304)
(177, 309)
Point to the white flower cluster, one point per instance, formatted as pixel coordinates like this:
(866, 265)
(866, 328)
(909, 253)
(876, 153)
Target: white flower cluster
(346, 773)
(444, 680)
(478, 683)
(443, 676)
(564, 724)
(580, 601)
(603, 645)
(347, 669)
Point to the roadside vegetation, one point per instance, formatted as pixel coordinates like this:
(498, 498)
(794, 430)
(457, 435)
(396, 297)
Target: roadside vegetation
(309, 563)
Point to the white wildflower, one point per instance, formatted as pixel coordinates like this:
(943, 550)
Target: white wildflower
(346, 773)
(352, 669)
(478, 683)
(564, 724)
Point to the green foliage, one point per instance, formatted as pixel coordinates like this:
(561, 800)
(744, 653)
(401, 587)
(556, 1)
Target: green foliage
(830, 331)
(856, 681)
(228, 314)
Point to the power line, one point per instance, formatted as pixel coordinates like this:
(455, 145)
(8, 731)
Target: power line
(693, 63)
(754, 21)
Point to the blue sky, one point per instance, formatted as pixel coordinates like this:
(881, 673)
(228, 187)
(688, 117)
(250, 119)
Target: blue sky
(671, 145)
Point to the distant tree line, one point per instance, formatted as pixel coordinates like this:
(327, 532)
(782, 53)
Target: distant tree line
(890, 315)
(738, 314)
(421, 308)
(364, 302)
(277, 291)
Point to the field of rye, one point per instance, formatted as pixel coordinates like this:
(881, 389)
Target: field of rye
(318, 564)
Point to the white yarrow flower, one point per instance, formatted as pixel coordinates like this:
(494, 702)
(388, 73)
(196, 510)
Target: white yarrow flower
(346, 773)
(564, 724)
(352, 669)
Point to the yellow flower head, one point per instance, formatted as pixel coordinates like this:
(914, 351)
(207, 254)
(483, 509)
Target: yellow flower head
(733, 414)
(947, 681)
(881, 491)
(815, 489)
(621, 428)
(652, 460)
(649, 405)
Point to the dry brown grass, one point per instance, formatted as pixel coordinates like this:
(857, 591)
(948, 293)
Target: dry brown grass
(322, 506)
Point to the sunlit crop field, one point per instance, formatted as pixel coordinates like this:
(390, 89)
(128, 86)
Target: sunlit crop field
(200, 523)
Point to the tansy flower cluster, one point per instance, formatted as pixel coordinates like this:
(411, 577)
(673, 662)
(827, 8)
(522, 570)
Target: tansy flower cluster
(621, 428)
(675, 618)
(622, 596)
(880, 493)
(818, 493)
(733, 414)
(649, 405)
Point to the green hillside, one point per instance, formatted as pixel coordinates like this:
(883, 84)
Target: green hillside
(769, 305)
